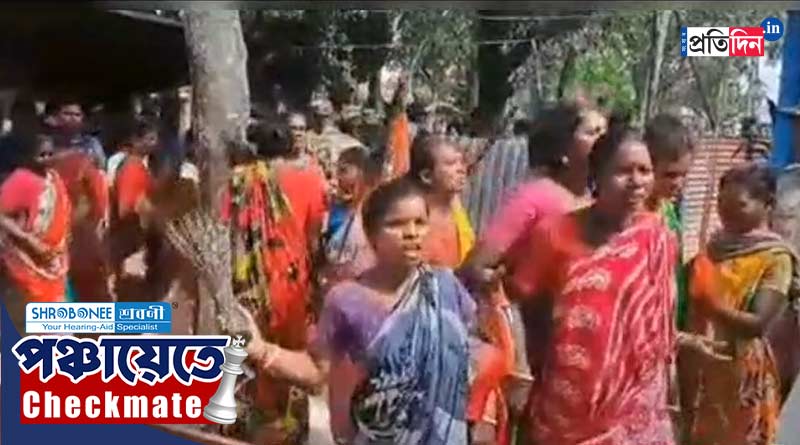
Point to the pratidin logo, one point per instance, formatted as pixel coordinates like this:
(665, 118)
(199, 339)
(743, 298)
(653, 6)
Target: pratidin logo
(724, 41)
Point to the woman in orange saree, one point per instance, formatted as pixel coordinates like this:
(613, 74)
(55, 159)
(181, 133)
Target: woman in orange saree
(34, 227)
(88, 193)
(739, 285)
(399, 138)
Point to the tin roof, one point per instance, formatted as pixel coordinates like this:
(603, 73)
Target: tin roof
(713, 158)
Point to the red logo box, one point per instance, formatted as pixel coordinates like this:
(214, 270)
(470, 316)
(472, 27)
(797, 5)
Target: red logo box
(746, 42)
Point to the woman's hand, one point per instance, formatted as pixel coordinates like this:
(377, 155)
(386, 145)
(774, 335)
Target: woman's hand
(704, 285)
(490, 277)
(483, 433)
(32, 245)
(256, 346)
(704, 346)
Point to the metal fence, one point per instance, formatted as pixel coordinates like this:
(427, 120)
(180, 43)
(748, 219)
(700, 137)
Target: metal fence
(502, 167)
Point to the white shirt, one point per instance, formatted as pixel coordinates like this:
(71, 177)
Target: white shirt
(114, 163)
(189, 171)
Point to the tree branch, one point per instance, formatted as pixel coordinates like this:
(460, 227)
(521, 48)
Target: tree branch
(702, 91)
(660, 28)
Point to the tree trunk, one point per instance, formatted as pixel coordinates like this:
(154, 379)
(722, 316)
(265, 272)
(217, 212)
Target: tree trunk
(660, 30)
(220, 94)
(375, 92)
(220, 111)
(536, 88)
(566, 72)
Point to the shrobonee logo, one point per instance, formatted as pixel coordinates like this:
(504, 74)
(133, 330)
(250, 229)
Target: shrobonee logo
(98, 318)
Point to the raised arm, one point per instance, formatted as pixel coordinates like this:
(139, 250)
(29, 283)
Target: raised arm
(299, 367)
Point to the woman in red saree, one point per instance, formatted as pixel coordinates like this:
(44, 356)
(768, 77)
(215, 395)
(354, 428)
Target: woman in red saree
(608, 270)
(560, 139)
(131, 211)
(88, 191)
(34, 227)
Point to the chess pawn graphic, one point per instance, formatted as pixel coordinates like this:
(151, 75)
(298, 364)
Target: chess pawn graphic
(222, 406)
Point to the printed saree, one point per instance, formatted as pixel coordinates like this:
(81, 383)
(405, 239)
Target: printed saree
(416, 387)
(271, 278)
(739, 401)
(603, 379)
(44, 213)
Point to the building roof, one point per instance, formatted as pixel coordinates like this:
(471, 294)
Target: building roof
(90, 52)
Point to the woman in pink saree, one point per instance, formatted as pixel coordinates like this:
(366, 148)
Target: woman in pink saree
(559, 142)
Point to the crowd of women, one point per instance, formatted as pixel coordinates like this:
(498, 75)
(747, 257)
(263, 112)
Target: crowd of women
(572, 320)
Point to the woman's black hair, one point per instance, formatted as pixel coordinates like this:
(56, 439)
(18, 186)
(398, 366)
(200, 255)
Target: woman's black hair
(131, 129)
(361, 158)
(552, 133)
(521, 127)
(757, 178)
(54, 106)
(606, 147)
(422, 154)
(381, 200)
(25, 144)
(667, 139)
(272, 139)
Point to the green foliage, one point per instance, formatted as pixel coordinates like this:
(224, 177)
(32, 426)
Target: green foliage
(607, 72)
(613, 55)
(438, 47)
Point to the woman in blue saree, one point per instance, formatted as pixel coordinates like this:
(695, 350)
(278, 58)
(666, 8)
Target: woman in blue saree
(392, 345)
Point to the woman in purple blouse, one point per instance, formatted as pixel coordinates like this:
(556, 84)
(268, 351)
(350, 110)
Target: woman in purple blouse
(392, 344)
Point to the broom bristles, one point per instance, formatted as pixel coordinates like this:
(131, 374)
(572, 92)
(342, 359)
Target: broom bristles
(205, 242)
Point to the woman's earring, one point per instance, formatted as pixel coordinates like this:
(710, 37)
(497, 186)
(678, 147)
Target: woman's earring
(564, 161)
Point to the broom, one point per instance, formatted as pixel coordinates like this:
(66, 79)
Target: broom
(205, 242)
